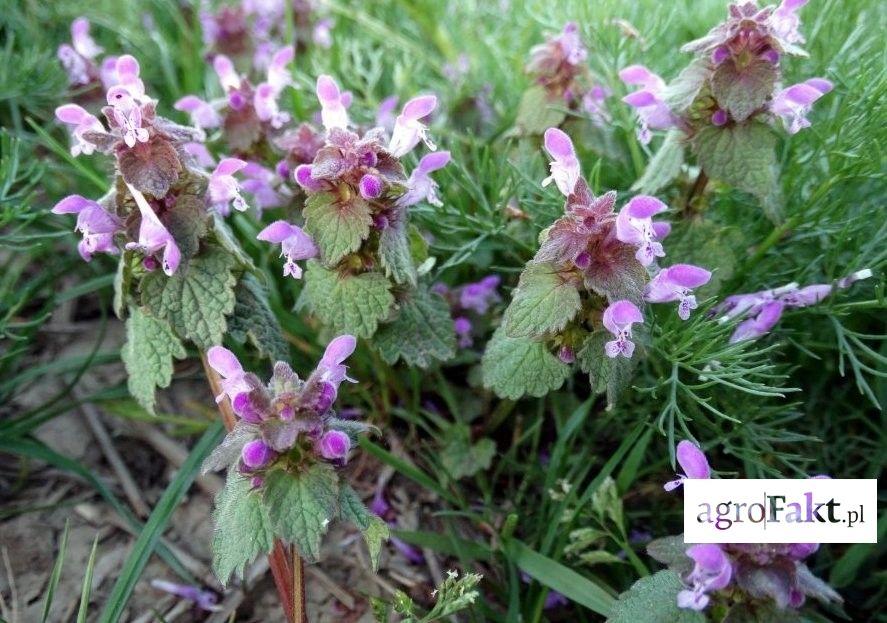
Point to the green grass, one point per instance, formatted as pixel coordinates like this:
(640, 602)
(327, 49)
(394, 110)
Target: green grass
(807, 400)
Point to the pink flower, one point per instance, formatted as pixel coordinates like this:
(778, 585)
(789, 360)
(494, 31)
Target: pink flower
(154, 237)
(200, 153)
(692, 461)
(83, 42)
(711, 572)
(278, 73)
(82, 122)
(462, 326)
(652, 110)
(330, 367)
(256, 454)
(676, 283)
(793, 103)
(420, 186)
(385, 113)
(228, 76)
(223, 187)
(571, 44)
(234, 380)
(295, 245)
(260, 183)
(617, 319)
(759, 324)
(203, 599)
(634, 226)
(127, 72)
(97, 225)
(785, 23)
(408, 129)
(265, 103)
(333, 113)
(564, 164)
(202, 114)
(334, 444)
(303, 177)
(128, 115)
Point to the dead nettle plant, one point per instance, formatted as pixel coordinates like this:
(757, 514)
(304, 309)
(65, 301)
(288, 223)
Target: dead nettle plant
(724, 104)
(182, 278)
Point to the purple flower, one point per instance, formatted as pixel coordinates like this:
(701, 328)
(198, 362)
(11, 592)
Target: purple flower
(793, 103)
(247, 409)
(128, 115)
(634, 226)
(303, 177)
(571, 45)
(202, 114)
(228, 76)
(480, 295)
(408, 129)
(719, 117)
(420, 186)
(676, 283)
(260, 183)
(564, 163)
(200, 153)
(234, 380)
(223, 188)
(711, 572)
(203, 599)
(81, 39)
(97, 225)
(126, 74)
(462, 326)
(617, 319)
(652, 110)
(81, 122)
(256, 454)
(330, 368)
(692, 461)
(370, 186)
(385, 113)
(566, 354)
(80, 70)
(785, 23)
(265, 104)
(153, 236)
(279, 75)
(333, 113)
(321, 34)
(295, 245)
(334, 444)
(760, 323)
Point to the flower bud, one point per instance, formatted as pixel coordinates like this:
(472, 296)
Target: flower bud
(719, 117)
(566, 354)
(325, 398)
(245, 408)
(370, 187)
(257, 454)
(582, 261)
(303, 177)
(334, 444)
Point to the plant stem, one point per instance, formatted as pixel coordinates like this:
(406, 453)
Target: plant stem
(698, 186)
(287, 566)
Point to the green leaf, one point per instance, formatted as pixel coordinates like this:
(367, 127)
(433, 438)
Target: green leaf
(664, 166)
(607, 375)
(122, 283)
(148, 355)
(421, 333)
(302, 505)
(681, 92)
(743, 91)
(671, 551)
(347, 303)
(537, 112)
(187, 222)
(228, 452)
(86, 589)
(55, 575)
(460, 457)
(396, 255)
(513, 367)
(196, 299)
(253, 320)
(374, 529)
(741, 155)
(653, 600)
(337, 227)
(225, 238)
(543, 302)
(242, 527)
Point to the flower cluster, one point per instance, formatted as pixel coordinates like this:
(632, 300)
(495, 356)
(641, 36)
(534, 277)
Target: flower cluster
(762, 310)
(559, 66)
(289, 418)
(613, 254)
(734, 79)
(469, 303)
(772, 573)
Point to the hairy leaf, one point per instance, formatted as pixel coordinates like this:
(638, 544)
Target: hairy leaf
(653, 600)
(337, 227)
(607, 375)
(347, 303)
(148, 355)
(302, 505)
(228, 452)
(253, 320)
(681, 92)
(187, 222)
(421, 333)
(543, 302)
(671, 551)
(460, 457)
(151, 167)
(514, 367)
(664, 166)
(536, 112)
(196, 299)
(242, 527)
(743, 91)
(394, 252)
(374, 529)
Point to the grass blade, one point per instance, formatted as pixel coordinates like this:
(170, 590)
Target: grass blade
(87, 584)
(55, 576)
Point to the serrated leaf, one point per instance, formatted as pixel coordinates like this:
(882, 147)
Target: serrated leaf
(418, 245)
(741, 155)
(460, 457)
(514, 367)
(421, 333)
(225, 237)
(743, 91)
(610, 376)
(337, 227)
(242, 527)
(543, 302)
(187, 222)
(619, 277)
(537, 112)
(664, 166)
(148, 355)
(395, 254)
(373, 528)
(671, 551)
(242, 129)
(151, 167)
(681, 92)
(253, 320)
(352, 304)
(228, 452)
(196, 299)
(302, 505)
(653, 600)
